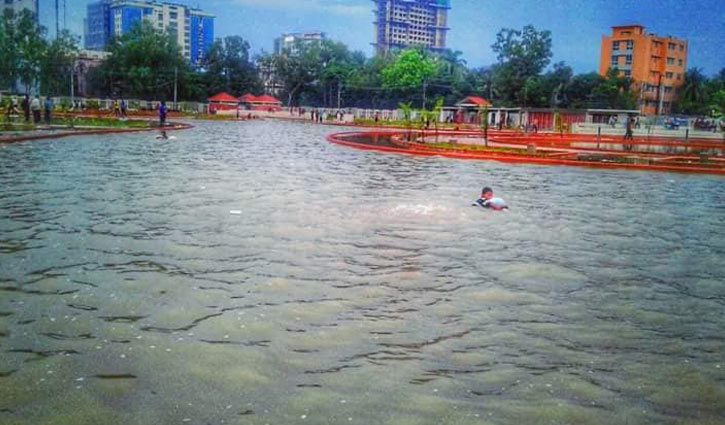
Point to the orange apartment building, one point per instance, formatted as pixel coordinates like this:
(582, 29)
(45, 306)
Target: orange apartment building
(656, 64)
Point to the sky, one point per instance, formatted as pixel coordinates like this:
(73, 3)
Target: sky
(576, 25)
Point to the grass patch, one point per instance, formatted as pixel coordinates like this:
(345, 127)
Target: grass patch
(484, 149)
(71, 122)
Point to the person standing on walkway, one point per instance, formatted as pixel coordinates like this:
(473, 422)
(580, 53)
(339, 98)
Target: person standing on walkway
(628, 133)
(48, 110)
(26, 108)
(35, 107)
(162, 113)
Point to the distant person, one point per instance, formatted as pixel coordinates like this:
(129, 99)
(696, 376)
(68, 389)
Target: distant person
(12, 107)
(48, 109)
(35, 108)
(628, 132)
(487, 200)
(162, 113)
(26, 107)
(124, 108)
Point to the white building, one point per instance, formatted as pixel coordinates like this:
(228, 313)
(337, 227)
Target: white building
(192, 28)
(287, 42)
(19, 5)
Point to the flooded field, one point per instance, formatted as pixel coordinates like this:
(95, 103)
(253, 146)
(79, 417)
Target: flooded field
(253, 273)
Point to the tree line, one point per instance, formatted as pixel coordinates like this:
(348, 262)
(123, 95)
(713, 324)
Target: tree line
(148, 64)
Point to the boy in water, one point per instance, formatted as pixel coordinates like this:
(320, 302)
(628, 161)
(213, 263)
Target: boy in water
(488, 201)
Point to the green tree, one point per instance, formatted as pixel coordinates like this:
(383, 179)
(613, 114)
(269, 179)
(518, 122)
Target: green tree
(694, 96)
(409, 71)
(521, 55)
(580, 91)
(57, 64)
(297, 69)
(229, 68)
(615, 92)
(146, 63)
(26, 47)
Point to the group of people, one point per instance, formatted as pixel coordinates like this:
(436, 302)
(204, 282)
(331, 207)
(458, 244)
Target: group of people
(120, 108)
(706, 125)
(32, 108)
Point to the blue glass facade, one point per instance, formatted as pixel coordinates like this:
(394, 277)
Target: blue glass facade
(98, 25)
(202, 36)
(130, 17)
(109, 18)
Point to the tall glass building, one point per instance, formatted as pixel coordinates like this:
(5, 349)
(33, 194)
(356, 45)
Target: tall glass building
(193, 29)
(404, 23)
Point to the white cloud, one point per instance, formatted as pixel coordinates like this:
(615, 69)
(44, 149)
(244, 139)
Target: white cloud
(334, 7)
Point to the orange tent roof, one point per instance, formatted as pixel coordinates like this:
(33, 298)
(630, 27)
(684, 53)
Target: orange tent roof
(223, 98)
(250, 98)
(475, 100)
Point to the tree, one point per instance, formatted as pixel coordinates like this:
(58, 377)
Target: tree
(521, 55)
(409, 71)
(145, 63)
(615, 92)
(693, 99)
(228, 68)
(581, 88)
(297, 69)
(57, 64)
(23, 49)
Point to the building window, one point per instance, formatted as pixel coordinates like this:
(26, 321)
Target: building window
(671, 46)
(630, 44)
(682, 47)
(627, 73)
(173, 15)
(679, 76)
(679, 62)
(668, 89)
(615, 45)
(629, 60)
(615, 61)
(668, 75)
(670, 61)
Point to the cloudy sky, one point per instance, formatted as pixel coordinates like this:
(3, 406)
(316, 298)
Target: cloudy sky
(577, 25)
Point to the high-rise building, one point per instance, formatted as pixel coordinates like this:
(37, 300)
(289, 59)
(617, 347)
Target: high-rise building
(18, 5)
(287, 42)
(193, 29)
(656, 64)
(404, 23)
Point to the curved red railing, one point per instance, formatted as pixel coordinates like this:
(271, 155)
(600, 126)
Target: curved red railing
(564, 153)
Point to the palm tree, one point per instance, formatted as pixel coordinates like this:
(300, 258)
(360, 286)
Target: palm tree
(693, 94)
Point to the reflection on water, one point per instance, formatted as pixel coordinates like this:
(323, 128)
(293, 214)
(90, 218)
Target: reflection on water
(354, 287)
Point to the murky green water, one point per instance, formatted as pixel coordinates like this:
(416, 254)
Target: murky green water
(352, 288)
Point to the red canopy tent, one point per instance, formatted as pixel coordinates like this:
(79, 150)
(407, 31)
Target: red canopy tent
(260, 103)
(222, 102)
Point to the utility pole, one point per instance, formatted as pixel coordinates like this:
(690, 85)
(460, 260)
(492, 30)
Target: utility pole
(72, 89)
(339, 91)
(176, 83)
(57, 19)
(424, 87)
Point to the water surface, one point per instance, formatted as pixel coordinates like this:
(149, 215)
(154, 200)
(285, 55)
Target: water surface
(252, 273)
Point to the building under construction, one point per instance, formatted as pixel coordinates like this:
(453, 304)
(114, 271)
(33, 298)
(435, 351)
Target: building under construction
(404, 23)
